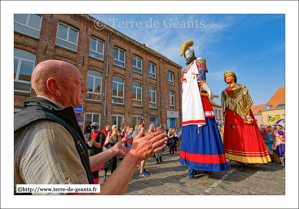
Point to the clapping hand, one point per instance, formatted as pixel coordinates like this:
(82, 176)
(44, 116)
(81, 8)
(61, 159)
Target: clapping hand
(144, 147)
(119, 149)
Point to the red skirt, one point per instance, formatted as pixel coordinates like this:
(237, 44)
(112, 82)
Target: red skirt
(243, 142)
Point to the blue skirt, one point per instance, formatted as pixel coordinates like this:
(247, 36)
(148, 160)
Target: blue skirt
(203, 150)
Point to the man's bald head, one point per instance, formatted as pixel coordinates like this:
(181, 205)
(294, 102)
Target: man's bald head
(60, 81)
(50, 69)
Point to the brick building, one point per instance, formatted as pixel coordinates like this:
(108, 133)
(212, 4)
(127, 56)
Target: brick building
(217, 109)
(126, 79)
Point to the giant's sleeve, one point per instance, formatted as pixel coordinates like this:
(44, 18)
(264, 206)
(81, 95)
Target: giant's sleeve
(47, 155)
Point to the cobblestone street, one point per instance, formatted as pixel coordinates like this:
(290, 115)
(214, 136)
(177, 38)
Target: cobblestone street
(170, 178)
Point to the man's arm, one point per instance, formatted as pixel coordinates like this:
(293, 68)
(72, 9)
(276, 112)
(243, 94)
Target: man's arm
(100, 158)
(96, 144)
(142, 148)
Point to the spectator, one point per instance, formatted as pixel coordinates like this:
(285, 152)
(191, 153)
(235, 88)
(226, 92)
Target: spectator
(280, 138)
(175, 139)
(129, 137)
(143, 172)
(111, 164)
(179, 137)
(96, 141)
(263, 132)
(88, 128)
(158, 154)
(106, 130)
(269, 142)
(61, 155)
(171, 141)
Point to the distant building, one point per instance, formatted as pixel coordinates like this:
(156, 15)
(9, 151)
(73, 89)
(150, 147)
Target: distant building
(126, 79)
(273, 111)
(217, 111)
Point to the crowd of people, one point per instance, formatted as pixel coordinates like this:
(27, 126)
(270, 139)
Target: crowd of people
(274, 138)
(101, 140)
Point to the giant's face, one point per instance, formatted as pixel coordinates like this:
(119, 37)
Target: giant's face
(229, 79)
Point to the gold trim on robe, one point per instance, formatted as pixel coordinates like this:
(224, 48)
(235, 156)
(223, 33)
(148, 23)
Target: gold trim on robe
(238, 100)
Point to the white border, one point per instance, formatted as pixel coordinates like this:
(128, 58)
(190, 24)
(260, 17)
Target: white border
(290, 8)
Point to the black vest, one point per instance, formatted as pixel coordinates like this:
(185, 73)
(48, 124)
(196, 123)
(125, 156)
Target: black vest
(37, 108)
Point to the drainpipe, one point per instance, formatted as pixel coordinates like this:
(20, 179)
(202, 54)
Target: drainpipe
(106, 78)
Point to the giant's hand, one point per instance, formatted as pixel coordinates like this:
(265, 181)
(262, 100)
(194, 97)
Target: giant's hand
(119, 149)
(208, 90)
(144, 147)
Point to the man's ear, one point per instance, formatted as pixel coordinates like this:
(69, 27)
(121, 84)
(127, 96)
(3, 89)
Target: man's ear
(53, 86)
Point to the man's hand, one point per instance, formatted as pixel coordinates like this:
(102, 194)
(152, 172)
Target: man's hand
(144, 147)
(119, 149)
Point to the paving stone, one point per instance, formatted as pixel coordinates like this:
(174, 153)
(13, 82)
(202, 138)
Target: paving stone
(170, 178)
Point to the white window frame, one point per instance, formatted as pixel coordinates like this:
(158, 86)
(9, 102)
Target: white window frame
(117, 115)
(92, 113)
(67, 36)
(135, 99)
(119, 56)
(18, 71)
(150, 70)
(150, 93)
(93, 87)
(137, 117)
(119, 83)
(97, 41)
(169, 80)
(26, 25)
(136, 64)
(171, 95)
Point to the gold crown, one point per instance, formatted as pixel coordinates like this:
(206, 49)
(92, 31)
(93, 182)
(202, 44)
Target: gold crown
(228, 73)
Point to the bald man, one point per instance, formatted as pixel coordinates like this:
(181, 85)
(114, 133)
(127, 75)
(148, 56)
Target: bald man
(49, 146)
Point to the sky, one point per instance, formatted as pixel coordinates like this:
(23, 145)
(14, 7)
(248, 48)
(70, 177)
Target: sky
(252, 46)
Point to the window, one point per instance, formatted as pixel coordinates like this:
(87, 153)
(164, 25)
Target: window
(153, 119)
(119, 57)
(137, 63)
(152, 70)
(117, 120)
(91, 117)
(281, 105)
(96, 49)
(152, 97)
(135, 120)
(29, 24)
(24, 63)
(137, 94)
(170, 78)
(171, 100)
(94, 85)
(118, 90)
(67, 37)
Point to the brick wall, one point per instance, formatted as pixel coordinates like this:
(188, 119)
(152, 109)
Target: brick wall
(44, 48)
